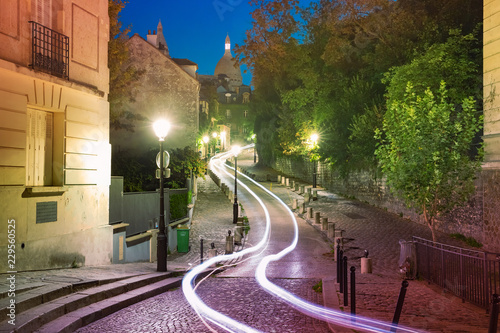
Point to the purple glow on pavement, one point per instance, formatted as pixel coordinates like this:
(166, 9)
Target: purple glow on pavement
(301, 305)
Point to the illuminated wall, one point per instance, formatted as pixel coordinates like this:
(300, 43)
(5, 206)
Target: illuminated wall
(54, 133)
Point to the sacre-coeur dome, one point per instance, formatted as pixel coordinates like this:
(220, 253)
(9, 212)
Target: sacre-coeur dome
(226, 65)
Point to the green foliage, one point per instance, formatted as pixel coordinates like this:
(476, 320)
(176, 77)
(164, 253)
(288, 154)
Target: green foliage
(122, 76)
(468, 240)
(318, 287)
(139, 171)
(424, 150)
(178, 205)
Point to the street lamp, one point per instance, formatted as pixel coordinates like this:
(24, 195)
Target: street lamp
(254, 153)
(314, 139)
(236, 151)
(214, 135)
(223, 140)
(161, 128)
(205, 139)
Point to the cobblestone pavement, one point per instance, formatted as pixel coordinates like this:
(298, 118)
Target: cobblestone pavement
(239, 298)
(369, 228)
(426, 307)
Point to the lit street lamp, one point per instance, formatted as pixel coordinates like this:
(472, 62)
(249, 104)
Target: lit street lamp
(314, 139)
(236, 151)
(161, 128)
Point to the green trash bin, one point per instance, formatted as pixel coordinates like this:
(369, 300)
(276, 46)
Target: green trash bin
(182, 240)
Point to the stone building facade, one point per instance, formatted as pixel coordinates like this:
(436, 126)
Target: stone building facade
(54, 133)
(167, 89)
(491, 81)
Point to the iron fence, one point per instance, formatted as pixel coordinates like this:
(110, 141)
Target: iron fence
(49, 50)
(471, 275)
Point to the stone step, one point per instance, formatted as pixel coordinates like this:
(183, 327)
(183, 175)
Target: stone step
(43, 305)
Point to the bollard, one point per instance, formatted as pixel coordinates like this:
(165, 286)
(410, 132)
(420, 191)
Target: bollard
(399, 306)
(229, 243)
(212, 252)
(292, 185)
(494, 314)
(309, 212)
(294, 204)
(287, 182)
(331, 230)
(309, 190)
(283, 180)
(353, 291)
(238, 233)
(344, 270)
(366, 264)
(307, 197)
(201, 250)
(315, 195)
(317, 217)
(340, 274)
(302, 208)
(324, 223)
(302, 189)
(279, 178)
(339, 239)
(297, 187)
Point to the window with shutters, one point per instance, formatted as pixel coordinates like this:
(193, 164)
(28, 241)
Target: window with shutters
(40, 146)
(42, 12)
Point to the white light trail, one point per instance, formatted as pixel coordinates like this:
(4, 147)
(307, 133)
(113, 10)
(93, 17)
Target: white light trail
(310, 309)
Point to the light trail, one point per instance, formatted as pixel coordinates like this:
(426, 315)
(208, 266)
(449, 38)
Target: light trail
(308, 308)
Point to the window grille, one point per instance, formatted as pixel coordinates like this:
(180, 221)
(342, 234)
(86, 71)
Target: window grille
(50, 51)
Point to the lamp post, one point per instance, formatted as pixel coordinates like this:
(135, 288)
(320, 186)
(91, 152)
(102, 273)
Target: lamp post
(223, 140)
(205, 140)
(161, 128)
(236, 151)
(314, 139)
(214, 135)
(254, 152)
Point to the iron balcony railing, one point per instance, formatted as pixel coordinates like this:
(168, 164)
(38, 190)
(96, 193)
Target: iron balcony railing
(50, 51)
(472, 275)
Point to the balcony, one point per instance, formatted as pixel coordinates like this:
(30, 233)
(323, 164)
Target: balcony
(49, 51)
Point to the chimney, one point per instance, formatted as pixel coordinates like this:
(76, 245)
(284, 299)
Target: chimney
(154, 32)
(149, 32)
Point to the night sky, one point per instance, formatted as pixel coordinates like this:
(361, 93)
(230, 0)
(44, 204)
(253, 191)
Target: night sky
(195, 30)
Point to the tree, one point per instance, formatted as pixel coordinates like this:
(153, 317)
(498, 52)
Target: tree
(424, 151)
(122, 77)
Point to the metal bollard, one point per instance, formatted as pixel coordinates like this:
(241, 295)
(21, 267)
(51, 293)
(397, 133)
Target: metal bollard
(494, 314)
(399, 306)
(353, 291)
(340, 275)
(201, 250)
(344, 270)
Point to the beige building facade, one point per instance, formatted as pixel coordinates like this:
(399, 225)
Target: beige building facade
(54, 133)
(167, 89)
(491, 166)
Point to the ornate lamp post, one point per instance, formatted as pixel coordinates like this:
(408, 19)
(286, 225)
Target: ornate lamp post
(314, 139)
(236, 151)
(214, 136)
(161, 128)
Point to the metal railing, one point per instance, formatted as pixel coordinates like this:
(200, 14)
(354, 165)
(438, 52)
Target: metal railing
(471, 275)
(49, 50)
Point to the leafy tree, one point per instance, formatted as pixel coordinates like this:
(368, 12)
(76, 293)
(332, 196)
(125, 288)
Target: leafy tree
(138, 171)
(122, 76)
(424, 148)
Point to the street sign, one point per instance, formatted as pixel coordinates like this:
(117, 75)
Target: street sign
(166, 173)
(166, 159)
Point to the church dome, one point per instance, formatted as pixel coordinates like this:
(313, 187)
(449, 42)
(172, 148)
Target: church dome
(226, 66)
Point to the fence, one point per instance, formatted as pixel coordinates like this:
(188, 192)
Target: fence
(471, 275)
(141, 210)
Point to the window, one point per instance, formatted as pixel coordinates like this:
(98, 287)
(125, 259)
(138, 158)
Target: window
(43, 166)
(42, 12)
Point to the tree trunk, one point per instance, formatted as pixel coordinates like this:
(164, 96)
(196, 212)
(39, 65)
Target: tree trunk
(430, 224)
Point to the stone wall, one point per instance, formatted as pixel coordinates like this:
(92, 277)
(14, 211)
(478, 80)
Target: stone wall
(371, 188)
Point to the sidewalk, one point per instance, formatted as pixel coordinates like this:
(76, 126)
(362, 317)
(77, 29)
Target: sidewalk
(426, 307)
